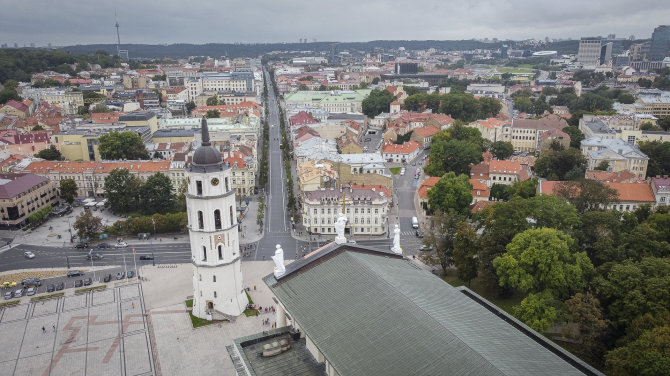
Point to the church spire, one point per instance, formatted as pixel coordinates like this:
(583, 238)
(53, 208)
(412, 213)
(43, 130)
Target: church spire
(205, 132)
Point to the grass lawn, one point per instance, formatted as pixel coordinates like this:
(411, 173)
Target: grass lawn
(196, 321)
(90, 289)
(47, 296)
(7, 304)
(395, 170)
(477, 285)
(250, 312)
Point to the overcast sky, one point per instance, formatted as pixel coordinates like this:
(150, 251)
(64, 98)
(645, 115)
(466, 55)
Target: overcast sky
(69, 22)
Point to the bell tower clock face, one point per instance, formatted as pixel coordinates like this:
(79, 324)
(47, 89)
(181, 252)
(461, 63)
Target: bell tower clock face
(215, 182)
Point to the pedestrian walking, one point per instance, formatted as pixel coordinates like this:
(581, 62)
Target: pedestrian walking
(54, 327)
(43, 330)
(133, 303)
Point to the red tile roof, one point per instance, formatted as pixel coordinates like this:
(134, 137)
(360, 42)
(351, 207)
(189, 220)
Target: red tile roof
(480, 205)
(426, 185)
(628, 192)
(504, 167)
(18, 105)
(624, 176)
(406, 148)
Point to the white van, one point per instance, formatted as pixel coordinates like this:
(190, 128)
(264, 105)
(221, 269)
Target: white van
(415, 222)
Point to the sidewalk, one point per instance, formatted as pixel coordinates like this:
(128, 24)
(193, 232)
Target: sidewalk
(251, 231)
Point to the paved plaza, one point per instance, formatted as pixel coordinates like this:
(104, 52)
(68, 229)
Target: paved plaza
(94, 333)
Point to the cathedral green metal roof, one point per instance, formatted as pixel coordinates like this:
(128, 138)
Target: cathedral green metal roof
(373, 313)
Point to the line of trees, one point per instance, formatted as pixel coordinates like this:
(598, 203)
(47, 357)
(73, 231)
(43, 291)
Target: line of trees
(460, 106)
(126, 193)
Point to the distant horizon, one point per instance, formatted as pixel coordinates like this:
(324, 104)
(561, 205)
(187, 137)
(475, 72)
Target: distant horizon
(73, 22)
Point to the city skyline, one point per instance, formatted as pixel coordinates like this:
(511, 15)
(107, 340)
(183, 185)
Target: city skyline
(73, 22)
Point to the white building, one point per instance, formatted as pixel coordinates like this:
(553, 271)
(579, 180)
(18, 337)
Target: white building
(210, 201)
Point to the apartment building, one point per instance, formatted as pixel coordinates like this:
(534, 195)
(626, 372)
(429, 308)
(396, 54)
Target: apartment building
(214, 82)
(526, 134)
(90, 176)
(619, 154)
(243, 172)
(366, 210)
(21, 195)
(343, 101)
(400, 152)
(660, 186)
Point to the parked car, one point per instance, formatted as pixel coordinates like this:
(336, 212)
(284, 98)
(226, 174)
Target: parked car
(31, 291)
(75, 273)
(29, 254)
(120, 275)
(8, 295)
(94, 256)
(87, 281)
(6, 285)
(121, 245)
(108, 277)
(146, 257)
(402, 172)
(103, 245)
(60, 286)
(419, 233)
(31, 282)
(425, 248)
(78, 283)
(130, 274)
(51, 287)
(81, 245)
(18, 293)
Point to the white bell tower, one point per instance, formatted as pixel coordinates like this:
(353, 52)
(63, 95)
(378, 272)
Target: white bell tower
(213, 233)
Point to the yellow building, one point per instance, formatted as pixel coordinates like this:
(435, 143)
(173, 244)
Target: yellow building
(78, 146)
(22, 195)
(140, 118)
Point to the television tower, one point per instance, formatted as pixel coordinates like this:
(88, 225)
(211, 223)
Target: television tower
(118, 37)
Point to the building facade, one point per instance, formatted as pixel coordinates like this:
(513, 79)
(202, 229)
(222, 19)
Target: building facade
(21, 195)
(366, 210)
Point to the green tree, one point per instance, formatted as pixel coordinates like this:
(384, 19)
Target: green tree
(87, 225)
(541, 259)
(630, 289)
(303, 87)
(38, 127)
(626, 98)
(156, 194)
(190, 106)
(122, 190)
(377, 102)
(576, 136)
(523, 188)
(213, 101)
(50, 154)
(452, 156)
(584, 310)
(538, 311)
(451, 193)
(501, 149)
(502, 221)
(659, 157)
(124, 145)
(213, 114)
(649, 355)
(440, 237)
(586, 194)
(68, 190)
(465, 252)
(602, 166)
(561, 165)
(500, 192)
(100, 108)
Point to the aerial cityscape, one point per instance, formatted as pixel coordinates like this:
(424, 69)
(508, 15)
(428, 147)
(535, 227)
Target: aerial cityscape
(284, 189)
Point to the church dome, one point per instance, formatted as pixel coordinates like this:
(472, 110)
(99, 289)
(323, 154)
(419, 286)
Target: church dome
(206, 154)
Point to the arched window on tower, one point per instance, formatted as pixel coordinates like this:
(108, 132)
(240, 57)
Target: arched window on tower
(231, 215)
(201, 220)
(226, 181)
(215, 294)
(198, 187)
(217, 219)
(214, 278)
(204, 253)
(220, 252)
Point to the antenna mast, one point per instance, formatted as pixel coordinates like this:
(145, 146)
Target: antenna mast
(118, 37)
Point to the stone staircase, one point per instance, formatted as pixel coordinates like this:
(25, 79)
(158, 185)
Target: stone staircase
(220, 316)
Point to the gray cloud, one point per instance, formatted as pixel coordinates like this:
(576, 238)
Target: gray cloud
(67, 22)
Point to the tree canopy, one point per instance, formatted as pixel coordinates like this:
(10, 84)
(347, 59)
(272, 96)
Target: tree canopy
(454, 149)
(68, 190)
(87, 225)
(451, 193)
(501, 149)
(541, 259)
(122, 190)
(124, 145)
(377, 102)
(659, 157)
(50, 154)
(586, 194)
(156, 194)
(567, 164)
